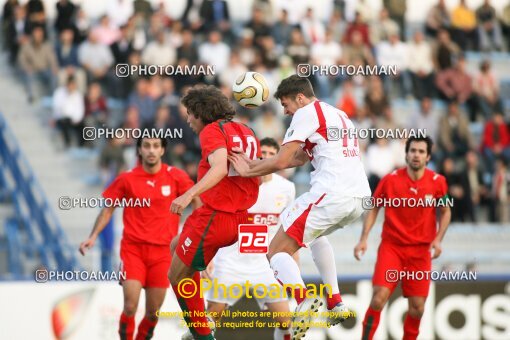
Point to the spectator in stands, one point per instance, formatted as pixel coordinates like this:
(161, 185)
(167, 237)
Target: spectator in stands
(464, 31)
(258, 25)
(38, 61)
(96, 110)
(397, 11)
(327, 53)
(187, 50)
(383, 28)
(36, 14)
(143, 102)
(297, 49)
(486, 87)
(82, 24)
(169, 96)
(476, 190)
(313, 29)
(69, 111)
(347, 101)
(458, 190)
(236, 68)
(67, 56)
(455, 84)
(18, 31)
(376, 99)
(455, 139)
(268, 125)
(159, 52)
(496, 140)
(421, 66)
(365, 10)
(499, 192)
(489, 30)
(8, 17)
(215, 16)
(337, 25)
(394, 52)
(425, 118)
(131, 121)
(380, 161)
(281, 30)
(269, 52)
(357, 27)
(123, 47)
(357, 50)
(444, 51)
(106, 32)
(438, 18)
(111, 159)
(96, 58)
(143, 8)
(65, 15)
(119, 11)
(505, 23)
(215, 52)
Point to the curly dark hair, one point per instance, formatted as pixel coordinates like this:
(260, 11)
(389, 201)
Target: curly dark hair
(208, 103)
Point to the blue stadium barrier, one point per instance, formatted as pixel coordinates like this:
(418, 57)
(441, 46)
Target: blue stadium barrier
(34, 220)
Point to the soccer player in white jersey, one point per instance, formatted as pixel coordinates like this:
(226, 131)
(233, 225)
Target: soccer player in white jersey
(230, 267)
(324, 135)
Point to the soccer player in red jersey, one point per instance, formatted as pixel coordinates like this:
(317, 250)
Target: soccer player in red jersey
(148, 230)
(225, 195)
(408, 235)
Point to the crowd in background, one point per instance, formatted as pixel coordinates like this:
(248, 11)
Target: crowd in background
(74, 58)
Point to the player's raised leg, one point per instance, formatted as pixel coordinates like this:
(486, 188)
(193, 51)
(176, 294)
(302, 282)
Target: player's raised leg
(131, 289)
(154, 298)
(282, 312)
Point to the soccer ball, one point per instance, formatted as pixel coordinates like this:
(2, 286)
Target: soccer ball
(250, 89)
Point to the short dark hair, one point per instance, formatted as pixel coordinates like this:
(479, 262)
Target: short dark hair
(292, 86)
(208, 103)
(139, 141)
(270, 142)
(425, 139)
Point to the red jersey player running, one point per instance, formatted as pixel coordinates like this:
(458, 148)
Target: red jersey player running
(318, 132)
(408, 235)
(226, 197)
(148, 231)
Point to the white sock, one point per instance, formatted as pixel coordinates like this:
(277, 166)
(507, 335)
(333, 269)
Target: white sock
(324, 258)
(286, 269)
(279, 334)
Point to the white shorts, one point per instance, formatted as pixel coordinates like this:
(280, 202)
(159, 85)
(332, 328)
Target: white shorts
(312, 215)
(236, 285)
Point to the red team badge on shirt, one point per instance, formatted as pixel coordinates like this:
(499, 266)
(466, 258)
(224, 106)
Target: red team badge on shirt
(253, 239)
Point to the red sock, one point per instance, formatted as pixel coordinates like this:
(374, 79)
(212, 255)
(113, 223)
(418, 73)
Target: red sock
(126, 327)
(411, 327)
(333, 300)
(146, 329)
(190, 305)
(299, 294)
(370, 323)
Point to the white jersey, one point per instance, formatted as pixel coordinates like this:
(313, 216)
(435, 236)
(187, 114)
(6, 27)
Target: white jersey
(274, 196)
(328, 137)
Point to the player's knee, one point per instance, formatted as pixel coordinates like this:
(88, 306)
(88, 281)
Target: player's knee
(378, 300)
(129, 308)
(173, 244)
(416, 310)
(151, 315)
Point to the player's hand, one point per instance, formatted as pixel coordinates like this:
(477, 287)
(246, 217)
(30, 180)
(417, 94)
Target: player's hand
(436, 245)
(239, 163)
(87, 245)
(180, 203)
(207, 273)
(361, 247)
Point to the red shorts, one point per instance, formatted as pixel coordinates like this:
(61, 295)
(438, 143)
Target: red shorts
(145, 262)
(204, 232)
(394, 259)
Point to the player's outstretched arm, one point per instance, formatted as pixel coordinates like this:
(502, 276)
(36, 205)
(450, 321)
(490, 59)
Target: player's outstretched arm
(218, 170)
(102, 221)
(283, 160)
(300, 158)
(368, 223)
(445, 215)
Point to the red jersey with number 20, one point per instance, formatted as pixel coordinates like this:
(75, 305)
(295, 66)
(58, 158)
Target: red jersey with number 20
(233, 193)
(411, 225)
